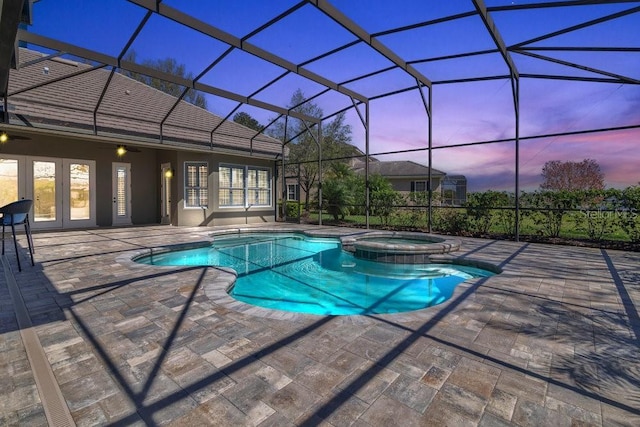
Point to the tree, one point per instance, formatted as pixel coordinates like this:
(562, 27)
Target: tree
(169, 66)
(337, 197)
(303, 149)
(245, 119)
(584, 175)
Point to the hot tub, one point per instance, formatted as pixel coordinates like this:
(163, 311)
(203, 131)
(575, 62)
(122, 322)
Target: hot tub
(398, 247)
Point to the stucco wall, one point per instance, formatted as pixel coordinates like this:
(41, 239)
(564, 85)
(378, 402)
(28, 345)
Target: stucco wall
(144, 179)
(214, 214)
(404, 184)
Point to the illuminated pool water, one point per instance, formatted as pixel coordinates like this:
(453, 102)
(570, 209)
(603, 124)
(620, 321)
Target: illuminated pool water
(293, 272)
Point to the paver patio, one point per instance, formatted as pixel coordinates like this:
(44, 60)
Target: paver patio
(553, 340)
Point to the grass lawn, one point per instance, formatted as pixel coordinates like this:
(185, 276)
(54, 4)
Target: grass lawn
(574, 225)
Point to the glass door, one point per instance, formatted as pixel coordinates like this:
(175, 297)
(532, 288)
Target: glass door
(62, 190)
(45, 187)
(11, 179)
(121, 193)
(79, 199)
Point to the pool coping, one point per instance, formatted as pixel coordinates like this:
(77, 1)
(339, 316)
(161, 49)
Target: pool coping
(222, 279)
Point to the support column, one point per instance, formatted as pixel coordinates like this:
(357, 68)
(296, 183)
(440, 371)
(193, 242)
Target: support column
(515, 84)
(284, 171)
(284, 183)
(319, 141)
(430, 209)
(427, 107)
(366, 167)
(365, 123)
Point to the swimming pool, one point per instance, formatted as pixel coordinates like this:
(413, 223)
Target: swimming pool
(294, 272)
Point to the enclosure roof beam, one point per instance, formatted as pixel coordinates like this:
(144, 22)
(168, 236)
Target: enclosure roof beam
(578, 27)
(105, 60)
(211, 31)
(572, 78)
(548, 4)
(339, 17)
(625, 79)
(454, 56)
(481, 8)
(424, 24)
(577, 49)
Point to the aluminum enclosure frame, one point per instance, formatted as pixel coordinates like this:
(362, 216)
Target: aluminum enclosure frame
(15, 10)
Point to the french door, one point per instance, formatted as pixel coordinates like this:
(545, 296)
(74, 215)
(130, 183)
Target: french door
(62, 190)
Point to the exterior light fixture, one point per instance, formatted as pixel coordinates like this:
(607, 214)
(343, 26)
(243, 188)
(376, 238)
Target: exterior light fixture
(121, 150)
(168, 173)
(3, 137)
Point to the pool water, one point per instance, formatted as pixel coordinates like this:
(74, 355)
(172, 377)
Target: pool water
(296, 273)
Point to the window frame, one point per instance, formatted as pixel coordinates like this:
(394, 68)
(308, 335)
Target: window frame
(414, 185)
(199, 188)
(231, 187)
(246, 190)
(295, 192)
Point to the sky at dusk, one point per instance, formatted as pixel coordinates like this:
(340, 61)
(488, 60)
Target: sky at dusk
(462, 113)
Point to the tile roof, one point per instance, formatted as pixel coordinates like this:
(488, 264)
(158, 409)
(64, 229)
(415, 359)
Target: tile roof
(399, 169)
(129, 108)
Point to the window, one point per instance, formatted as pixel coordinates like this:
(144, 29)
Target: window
(292, 192)
(231, 179)
(196, 192)
(244, 186)
(259, 188)
(418, 186)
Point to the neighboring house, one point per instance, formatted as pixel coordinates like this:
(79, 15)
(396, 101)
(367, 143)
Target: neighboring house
(406, 177)
(454, 190)
(183, 165)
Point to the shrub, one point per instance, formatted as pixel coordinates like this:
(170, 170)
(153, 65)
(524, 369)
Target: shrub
(337, 197)
(449, 221)
(293, 208)
(629, 216)
(597, 212)
(479, 209)
(383, 199)
(553, 206)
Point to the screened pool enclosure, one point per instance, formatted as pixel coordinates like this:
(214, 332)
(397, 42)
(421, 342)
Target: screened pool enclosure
(488, 89)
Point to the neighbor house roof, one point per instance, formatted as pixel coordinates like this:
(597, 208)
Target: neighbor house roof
(40, 97)
(455, 177)
(400, 169)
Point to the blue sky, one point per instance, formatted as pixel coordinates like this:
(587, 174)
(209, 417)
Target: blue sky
(463, 113)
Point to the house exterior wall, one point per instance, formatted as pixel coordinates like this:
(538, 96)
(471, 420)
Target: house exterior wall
(169, 157)
(85, 116)
(403, 185)
(214, 214)
(144, 185)
(146, 180)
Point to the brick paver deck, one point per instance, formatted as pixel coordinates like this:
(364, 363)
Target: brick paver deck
(553, 340)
